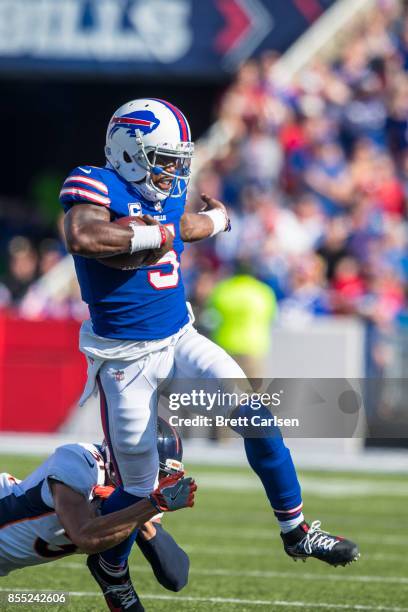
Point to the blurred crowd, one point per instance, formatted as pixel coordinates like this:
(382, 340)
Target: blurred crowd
(315, 177)
(31, 248)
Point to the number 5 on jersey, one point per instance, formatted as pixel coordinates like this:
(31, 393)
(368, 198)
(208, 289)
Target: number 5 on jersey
(166, 280)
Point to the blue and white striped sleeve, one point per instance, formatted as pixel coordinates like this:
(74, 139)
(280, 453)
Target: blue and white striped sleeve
(81, 186)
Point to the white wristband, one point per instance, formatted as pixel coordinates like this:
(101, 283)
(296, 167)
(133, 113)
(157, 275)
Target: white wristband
(148, 237)
(218, 218)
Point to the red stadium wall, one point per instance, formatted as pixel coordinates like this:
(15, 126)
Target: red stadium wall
(42, 373)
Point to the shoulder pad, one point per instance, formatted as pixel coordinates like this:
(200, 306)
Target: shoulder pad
(85, 184)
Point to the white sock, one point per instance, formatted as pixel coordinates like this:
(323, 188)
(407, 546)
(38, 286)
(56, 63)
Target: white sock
(286, 526)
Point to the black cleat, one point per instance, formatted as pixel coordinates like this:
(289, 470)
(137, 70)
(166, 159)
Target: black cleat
(304, 542)
(119, 593)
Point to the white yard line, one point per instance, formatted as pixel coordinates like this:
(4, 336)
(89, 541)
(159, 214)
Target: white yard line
(384, 557)
(321, 487)
(273, 534)
(341, 577)
(254, 551)
(376, 557)
(230, 600)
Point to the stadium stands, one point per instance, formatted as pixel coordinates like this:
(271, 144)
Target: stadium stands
(316, 178)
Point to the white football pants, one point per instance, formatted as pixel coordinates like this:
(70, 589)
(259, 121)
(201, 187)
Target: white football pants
(128, 395)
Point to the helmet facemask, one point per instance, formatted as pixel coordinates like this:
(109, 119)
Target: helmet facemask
(173, 163)
(170, 467)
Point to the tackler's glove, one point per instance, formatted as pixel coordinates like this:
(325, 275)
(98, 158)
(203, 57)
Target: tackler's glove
(102, 492)
(174, 492)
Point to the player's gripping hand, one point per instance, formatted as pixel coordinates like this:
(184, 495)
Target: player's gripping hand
(157, 254)
(173, 493)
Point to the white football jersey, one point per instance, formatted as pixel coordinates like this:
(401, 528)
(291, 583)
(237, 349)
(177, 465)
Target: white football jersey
(30, 532)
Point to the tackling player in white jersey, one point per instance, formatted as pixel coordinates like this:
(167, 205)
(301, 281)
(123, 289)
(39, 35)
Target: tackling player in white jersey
(54, 512)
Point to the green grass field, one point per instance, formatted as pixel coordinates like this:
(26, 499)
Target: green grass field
(237, 561)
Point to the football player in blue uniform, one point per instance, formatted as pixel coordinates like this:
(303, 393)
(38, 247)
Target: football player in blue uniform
(141, 328)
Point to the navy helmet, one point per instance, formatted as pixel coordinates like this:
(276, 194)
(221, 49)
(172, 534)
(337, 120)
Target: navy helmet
(170, 449)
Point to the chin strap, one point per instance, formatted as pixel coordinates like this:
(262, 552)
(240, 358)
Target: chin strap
(149, 192)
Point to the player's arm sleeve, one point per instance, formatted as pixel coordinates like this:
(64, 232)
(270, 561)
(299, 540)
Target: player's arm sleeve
(84, 185)
(169, 562)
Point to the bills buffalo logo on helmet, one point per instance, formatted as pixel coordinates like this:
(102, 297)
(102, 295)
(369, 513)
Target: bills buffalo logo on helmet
(145, 121)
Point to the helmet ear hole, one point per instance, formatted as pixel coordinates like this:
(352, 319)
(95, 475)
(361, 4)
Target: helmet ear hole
(127, 157)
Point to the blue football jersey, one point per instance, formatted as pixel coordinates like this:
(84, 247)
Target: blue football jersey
(144, 304)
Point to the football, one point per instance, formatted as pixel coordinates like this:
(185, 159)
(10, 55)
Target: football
(126, 261)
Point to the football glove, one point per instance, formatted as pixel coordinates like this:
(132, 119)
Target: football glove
(102, 492)
(174, 492)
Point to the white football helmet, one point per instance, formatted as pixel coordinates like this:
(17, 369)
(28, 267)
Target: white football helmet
(143, 138)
